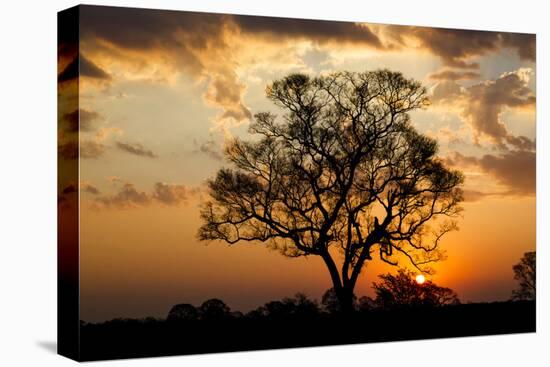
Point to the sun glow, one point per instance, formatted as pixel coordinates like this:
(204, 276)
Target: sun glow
(420, 279)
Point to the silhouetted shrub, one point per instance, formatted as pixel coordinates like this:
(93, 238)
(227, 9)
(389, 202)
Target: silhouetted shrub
(402, 291)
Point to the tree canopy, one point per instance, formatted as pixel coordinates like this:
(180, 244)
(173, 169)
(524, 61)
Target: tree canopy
(341, 171)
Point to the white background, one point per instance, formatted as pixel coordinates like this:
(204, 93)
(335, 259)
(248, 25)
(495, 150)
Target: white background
(28, 183)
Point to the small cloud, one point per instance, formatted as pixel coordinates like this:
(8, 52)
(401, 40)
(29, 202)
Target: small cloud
(128, 196)
(453, 75)
(89, 188)
(474, 195)
(136, 149)
(170, 194)
(91, 149)
(209, 148)
(72, 187)
(81, 120)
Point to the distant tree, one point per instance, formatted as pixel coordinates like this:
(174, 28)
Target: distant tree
(299, 305)
(214, 309)
(344, 169)
(402, 291)
(525, 274)
(183, 312)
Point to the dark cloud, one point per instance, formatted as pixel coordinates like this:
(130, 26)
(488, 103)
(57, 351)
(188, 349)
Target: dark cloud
(83, 67)
(147, 29)
(87, 118)
(139, 29)
(71, 121)
(209, 148)
(456, 46)
(524, 43)
(136, 149)
(170, 194)
(134, 28)
(91, 70)
(320, 31)
(89, 188)
(474, 195)
(521, 142)
(127, 197)
(457, 159)
(514, 169)
(72, 187)
(454, 75)
(70, 71)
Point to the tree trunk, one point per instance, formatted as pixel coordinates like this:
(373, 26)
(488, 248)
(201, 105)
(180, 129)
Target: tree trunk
(345, 299)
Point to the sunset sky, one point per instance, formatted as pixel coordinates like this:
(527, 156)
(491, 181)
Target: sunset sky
(161, 91)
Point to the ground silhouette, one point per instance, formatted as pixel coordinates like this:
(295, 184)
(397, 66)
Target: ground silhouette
(296, 322)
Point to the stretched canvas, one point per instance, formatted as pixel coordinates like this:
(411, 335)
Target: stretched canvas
(231, 182)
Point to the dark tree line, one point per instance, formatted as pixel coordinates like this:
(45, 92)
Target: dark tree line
(392, 292)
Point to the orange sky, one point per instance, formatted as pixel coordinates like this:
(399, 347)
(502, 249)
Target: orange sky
(161, 91)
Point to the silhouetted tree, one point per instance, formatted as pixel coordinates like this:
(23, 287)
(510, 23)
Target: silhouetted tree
(525, 274)
(330, 301)
(343, 170)
(214, 309)
(183, 312)
(300, 306)
(402, 291)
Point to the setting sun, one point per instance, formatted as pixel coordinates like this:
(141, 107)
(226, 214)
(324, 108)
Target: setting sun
(420, 279)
